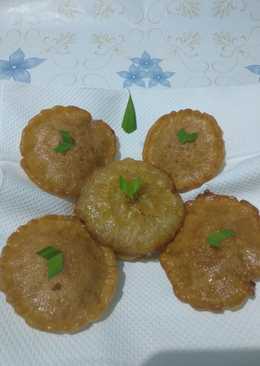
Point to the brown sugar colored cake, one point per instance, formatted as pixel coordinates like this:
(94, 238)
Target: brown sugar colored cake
(133, 228)
(61, 146)
(187, 145)
(215, 258)
(72, 299)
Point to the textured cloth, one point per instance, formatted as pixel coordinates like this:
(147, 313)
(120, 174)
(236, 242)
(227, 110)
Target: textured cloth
(147, 319)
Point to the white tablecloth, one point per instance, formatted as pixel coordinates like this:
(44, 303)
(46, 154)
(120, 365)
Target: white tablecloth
(140, 45)
(115, 43)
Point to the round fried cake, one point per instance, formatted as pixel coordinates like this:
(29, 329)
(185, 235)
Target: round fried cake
(73, 298)
(188, 163)
(137, 227)
(218, 277)
(63, 172)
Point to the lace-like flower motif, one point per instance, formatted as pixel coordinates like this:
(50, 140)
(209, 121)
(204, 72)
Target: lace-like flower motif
(145, 71)
(17, 66)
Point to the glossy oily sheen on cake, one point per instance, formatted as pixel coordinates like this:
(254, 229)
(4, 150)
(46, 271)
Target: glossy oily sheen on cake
(72, 299)
(63, 173)
(133, 228)
(211, 277)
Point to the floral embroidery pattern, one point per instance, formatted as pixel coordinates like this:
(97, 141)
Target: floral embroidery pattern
(145, 61)
(133, 76)
(17, 66)
(185, 8)
(104, 8)
(223, 8)
(158, 76)
(58, 43)
(145, 67)
(68, 9)
(105, 42)
(255, 69)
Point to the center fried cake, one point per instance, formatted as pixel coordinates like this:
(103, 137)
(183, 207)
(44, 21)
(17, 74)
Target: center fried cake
(136, 227)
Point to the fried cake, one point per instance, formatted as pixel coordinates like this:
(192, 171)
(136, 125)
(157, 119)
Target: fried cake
(72, 299)
(133, 228)
(215, 278)
(189, 163)
(63, 172)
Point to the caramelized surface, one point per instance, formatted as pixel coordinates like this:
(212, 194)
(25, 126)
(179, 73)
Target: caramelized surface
(63, 174)
(211, 278)
(189, 164)
(73, 298)
(132, 228)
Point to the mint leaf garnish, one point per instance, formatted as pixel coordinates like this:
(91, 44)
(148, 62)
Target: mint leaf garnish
(54, 259)
(215, 238)
(131, 187)
(185, 137)
(66, 143)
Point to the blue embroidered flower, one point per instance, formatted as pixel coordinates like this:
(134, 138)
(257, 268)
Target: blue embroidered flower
(145, 61)
(135, 75)
(158, 76)
(148, 68)
(255, 69)
(17, 65)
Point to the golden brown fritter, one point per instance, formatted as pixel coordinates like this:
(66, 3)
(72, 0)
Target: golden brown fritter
(104, 143)
(58, 173)
(72, 299)
(133, 228)
(192, 163)
(215, 278)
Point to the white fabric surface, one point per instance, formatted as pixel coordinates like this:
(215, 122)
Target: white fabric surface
(147, 319)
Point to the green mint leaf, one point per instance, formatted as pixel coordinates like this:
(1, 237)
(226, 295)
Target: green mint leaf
(215, 238)
(185, 137)
(129, 119)
(62, 148)
(66, 137)
(55, 265)
(54, 259)
(134, 187)
(123, 184)
(66, 143)
(130, 188)
(48, 252)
